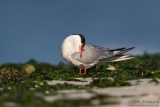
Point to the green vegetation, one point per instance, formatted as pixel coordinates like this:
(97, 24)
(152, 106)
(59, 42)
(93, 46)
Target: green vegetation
(26, 84)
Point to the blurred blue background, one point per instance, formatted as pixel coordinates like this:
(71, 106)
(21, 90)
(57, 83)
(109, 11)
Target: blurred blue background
(35, 29)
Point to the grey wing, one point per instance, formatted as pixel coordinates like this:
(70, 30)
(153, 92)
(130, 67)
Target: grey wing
(93, 54)
(115, 52)
(100, 48)
(90, 56)
(106, 53)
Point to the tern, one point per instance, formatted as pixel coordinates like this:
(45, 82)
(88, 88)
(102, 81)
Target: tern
(75, 51)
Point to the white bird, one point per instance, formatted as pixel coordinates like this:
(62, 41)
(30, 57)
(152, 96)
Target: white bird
(75, 51)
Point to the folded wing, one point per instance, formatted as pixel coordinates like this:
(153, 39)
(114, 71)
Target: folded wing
(94, 54)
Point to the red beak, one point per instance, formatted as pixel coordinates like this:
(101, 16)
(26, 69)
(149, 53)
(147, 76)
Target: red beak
(80, 51)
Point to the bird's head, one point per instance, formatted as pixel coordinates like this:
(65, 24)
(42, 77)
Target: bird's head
(79, 43)
(82, 44)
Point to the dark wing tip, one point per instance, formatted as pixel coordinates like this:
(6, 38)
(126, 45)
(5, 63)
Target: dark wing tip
(131, 48)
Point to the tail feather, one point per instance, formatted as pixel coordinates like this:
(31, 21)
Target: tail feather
(114, 55)
(117, 58)
(115, 52)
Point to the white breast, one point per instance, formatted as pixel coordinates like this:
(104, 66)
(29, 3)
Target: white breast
(70, 45)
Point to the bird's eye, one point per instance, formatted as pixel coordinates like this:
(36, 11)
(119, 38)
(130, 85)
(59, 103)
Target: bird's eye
(82, 45)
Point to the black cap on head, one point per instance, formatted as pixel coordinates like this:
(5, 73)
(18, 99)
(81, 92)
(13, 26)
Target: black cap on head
(82, 39)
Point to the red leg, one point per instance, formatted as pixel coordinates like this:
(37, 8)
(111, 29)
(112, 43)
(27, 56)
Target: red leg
(80, 71)
(85, 69)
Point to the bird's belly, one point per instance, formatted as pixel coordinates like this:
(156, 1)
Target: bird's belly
(80, 65)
